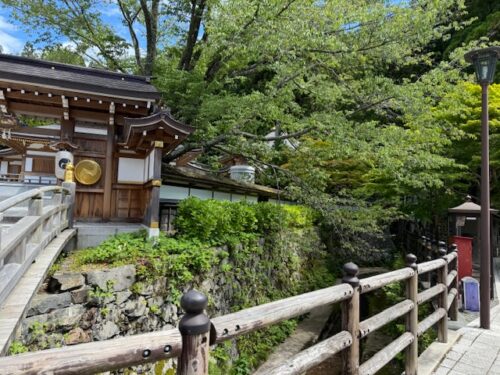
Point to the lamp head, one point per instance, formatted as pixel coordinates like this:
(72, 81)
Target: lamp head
(484, 61)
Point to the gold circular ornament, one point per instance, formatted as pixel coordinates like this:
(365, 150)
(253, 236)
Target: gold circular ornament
(87, 172)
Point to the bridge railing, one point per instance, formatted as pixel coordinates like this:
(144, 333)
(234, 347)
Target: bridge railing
(29, 221)
(28, 178)
(191, 342)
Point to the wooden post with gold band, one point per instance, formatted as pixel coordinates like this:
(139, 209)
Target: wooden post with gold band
(154, 203)
(108, 173)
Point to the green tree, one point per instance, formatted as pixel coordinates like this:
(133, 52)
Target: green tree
(461, 110)
(56, 53)
(338, 77)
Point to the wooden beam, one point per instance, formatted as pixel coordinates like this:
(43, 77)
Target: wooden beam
(36, 110)
(108, 173)
(97, 105)
(27, 87)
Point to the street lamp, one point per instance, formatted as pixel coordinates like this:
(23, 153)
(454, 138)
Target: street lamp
(485, 61)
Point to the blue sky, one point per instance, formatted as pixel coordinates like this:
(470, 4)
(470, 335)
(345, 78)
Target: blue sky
(13, 36)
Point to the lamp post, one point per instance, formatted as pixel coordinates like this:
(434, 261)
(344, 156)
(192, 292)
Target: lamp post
(484, 61)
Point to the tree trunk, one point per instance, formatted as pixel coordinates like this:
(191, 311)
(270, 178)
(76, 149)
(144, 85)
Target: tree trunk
(151, 22)
(197, 9)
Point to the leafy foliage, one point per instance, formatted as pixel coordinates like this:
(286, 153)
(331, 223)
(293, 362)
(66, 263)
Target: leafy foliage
(351, 83)
(460, 113)
(228, 236)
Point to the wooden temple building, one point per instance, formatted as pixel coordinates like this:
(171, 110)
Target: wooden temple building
(112, 128)
(109, 125)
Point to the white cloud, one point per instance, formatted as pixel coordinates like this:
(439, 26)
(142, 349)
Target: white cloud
(8, 39)
(111, 10)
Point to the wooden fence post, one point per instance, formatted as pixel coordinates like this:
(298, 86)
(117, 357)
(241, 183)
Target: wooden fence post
(194, 327)
(442, 278)
(454, 305)
(411, 357)
(350, 321)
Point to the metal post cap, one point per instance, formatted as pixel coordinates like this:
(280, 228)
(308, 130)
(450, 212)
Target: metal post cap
(411, 261)
(194, 302)
(350, 274)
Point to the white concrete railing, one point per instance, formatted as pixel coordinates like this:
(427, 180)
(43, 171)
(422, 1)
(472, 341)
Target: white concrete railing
(35, 179)
(29, 221)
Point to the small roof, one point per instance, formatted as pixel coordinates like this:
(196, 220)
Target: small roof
(161, 126)
(192, 177)
(468, 207)
(73, 77)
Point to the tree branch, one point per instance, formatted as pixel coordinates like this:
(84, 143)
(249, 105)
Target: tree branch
(135, 41)
(275, 138)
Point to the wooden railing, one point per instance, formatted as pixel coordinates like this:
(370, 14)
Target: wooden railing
(29, 221)
(191, 342)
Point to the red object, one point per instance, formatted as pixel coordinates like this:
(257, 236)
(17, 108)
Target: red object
(464, 245)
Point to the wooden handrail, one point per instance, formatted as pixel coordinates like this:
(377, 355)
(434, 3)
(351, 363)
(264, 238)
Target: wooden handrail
(430, 266)
(451, 277)
(124, 352)
(432, 319)
(384, 356)
(381, 319)
(94, 357)
(376, 282)
(430, 293)
(314, 355)
(452, 296)
(254, 318)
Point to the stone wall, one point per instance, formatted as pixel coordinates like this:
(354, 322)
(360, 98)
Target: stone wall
(100, 304)
(79, 307)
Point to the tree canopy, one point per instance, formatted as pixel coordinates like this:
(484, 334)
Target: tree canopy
(364, 88)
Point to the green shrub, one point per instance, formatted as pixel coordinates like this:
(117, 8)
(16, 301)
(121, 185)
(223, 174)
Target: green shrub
(290, 262)
(298, 216)
(214, 221)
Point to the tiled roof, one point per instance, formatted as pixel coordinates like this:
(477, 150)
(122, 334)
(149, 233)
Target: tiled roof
(75, 78)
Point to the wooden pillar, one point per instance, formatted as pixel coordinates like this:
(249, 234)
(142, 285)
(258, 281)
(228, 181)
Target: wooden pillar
(350, 321)
(411, 357)
(108, 174)
(67, 129)
(154, 200)
(443, 298)
(23, 168)
(195, 330)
